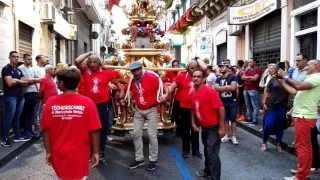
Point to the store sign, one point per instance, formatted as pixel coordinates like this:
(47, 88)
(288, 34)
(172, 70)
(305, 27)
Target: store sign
(178, 40)
(251, 12)
(6, 35)
(65, 29)
(206, 45)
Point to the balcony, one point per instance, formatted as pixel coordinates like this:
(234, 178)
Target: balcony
(91, 10)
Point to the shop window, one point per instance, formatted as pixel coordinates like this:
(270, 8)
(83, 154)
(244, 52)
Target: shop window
(265, 57)
(308, 44)
(309, 20)
(57, 50)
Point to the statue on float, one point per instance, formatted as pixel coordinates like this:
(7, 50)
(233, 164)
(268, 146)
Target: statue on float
(145, 43)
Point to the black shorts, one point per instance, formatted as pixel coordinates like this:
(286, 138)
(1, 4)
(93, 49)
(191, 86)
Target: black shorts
(231, 111)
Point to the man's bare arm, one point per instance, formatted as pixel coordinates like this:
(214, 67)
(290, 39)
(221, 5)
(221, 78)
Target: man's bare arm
(290, 90)
(80, 60)
(46, 141)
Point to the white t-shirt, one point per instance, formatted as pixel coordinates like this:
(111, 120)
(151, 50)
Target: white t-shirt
(211, 78)
(40, 72)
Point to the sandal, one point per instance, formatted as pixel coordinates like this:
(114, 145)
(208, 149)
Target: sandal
(264, 147)
(279, 149)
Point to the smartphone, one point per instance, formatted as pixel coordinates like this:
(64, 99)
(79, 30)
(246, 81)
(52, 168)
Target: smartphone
(281, 65)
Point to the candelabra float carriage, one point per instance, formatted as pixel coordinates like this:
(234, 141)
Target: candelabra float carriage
(144, 43)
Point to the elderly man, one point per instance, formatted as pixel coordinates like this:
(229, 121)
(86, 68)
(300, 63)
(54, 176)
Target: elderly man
(48, 87)
(305, 114)
(96, 80)
(144, 86)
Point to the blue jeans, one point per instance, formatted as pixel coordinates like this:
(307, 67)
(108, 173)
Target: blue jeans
(37, 112)
(274, 120)
(27, 115)
(251, 98)
(103, 111)
(12, 107)
(111, 113)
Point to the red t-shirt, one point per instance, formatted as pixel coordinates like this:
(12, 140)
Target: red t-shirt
(48, 88)
(170, 77)
(96, 84)
(147, 96)
(116, 74)
(252, 85)
(69, 118)
(205, 105)
(185, 85)
(81, 86)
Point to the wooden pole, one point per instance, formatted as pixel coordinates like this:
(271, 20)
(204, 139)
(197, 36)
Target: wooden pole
(151, 69)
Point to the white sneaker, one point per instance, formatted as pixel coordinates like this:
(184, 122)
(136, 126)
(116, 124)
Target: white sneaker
(225, 139)
(110, 138)
(312, 171)
(290, 178)
(234, 140)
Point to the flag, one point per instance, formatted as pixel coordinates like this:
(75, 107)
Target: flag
(112, 3)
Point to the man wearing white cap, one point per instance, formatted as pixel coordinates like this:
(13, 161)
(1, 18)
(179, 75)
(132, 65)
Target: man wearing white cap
(146, 88)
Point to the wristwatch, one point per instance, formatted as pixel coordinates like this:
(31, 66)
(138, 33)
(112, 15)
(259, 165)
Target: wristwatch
(286, 77)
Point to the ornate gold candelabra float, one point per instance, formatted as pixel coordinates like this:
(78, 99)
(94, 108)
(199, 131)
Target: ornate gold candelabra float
(144, 42)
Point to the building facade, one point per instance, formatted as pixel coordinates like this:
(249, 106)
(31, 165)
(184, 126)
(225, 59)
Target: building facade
(305, 29)
(59, 29)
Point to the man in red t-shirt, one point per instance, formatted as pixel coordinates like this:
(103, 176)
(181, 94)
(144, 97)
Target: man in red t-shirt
(251, 92)
(70, 123)
(184, 82)
(144, 86)
(175, 101)
(208, 113)
(96, 80)
(113, 105)
(48, 87)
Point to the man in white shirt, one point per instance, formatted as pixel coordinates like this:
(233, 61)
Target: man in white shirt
(211, 79)
(30, 95)
(41, 73)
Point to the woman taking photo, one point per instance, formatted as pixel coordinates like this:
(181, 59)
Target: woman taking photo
(274, 101)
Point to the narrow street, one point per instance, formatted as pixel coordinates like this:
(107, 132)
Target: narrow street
(242, 162)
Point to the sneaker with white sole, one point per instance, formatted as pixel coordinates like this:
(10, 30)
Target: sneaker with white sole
(110, 138)
(21, 139)
(134, 164)
(6, 142)
(290, 178)
(312, 171)
(234, 140)
(202, 173)
(225, 139)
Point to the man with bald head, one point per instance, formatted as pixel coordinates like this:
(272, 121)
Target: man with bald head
(48, 87)
(96, 80)
(305, 115)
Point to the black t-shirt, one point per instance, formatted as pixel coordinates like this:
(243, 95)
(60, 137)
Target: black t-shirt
(16, 91)
(278, 97)
(227, 96)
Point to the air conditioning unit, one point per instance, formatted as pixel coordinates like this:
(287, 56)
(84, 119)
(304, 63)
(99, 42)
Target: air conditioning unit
(48, 12)
(236, 30)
